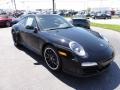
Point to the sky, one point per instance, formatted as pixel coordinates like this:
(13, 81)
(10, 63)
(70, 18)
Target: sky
(61, 4)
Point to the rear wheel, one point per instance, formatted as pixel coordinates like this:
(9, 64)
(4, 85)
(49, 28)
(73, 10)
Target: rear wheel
(8, 24)
(15, 38)
(52, 59)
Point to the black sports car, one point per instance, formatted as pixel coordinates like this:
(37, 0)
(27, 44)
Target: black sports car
(81, 22)
(78, 51)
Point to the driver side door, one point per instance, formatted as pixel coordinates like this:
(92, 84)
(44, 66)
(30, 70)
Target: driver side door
(32, 38)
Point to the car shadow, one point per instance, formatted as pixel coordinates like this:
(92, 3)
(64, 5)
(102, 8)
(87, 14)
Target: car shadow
(2, 27)
(39, 59)
(108, 80)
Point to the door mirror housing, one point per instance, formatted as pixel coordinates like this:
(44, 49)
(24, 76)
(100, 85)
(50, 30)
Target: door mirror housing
(35, 30)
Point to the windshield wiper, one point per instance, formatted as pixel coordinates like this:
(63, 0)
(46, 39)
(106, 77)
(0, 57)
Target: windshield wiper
(66, 27)
(60, 28)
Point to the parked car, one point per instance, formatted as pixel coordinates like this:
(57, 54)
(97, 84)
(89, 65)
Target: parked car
(101, 16)
(81, 22)
(74, 50)
(5, 20)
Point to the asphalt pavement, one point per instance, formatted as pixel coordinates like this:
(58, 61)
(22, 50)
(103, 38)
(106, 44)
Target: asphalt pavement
(21, 69)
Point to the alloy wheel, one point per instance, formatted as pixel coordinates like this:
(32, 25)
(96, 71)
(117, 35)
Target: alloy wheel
(51, 58)
(8, 24)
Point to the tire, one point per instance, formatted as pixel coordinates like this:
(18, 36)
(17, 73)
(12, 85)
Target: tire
(8, 24)
(15, 38)
(105, 18)
(109, 17)
(52, 59)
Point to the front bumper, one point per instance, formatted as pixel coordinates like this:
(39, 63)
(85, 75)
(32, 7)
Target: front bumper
(72, 63)
(74, 68)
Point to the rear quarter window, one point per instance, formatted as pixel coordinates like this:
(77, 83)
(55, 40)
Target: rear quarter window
(80, 20)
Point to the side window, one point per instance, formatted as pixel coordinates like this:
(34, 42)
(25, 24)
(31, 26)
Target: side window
(22, 21)
(31, 22)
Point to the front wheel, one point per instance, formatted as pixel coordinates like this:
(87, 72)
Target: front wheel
(52, 59)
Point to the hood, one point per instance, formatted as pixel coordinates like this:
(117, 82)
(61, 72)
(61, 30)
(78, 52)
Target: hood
(82, 36)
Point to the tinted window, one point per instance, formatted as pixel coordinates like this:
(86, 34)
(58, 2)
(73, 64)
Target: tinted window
(53, 21)
(31, 21)
(22, 21)
(80, 20)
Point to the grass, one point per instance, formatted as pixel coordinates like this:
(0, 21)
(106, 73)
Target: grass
(107, 26)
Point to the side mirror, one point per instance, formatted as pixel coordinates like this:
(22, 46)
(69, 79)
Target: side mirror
(35, 30)
(29, 27)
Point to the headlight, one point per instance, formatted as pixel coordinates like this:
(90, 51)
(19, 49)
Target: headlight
(77, 48)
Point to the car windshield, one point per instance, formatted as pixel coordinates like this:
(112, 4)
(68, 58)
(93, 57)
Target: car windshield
(52, 22)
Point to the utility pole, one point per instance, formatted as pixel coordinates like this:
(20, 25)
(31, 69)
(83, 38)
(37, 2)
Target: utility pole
(53, 1)
(14, 2)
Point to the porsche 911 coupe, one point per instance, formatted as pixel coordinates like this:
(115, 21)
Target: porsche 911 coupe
(74, 50)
